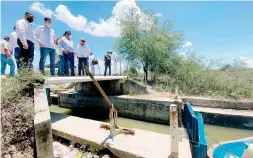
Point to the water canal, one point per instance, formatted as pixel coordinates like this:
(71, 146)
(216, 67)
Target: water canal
(216, 133)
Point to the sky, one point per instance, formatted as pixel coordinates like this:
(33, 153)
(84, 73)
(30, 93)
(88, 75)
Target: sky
(212, 29)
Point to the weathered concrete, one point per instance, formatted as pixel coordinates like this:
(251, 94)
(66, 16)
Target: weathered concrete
(214, 103)
(42, 125)
(88, 131)
(152, 110)
(111, 87)
(227, 117)
(58, 80)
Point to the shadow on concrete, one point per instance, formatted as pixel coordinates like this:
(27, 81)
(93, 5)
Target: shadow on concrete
(57, 117)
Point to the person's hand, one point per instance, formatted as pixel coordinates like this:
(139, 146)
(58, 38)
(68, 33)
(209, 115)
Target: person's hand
(41, 44)
(66, 52)
(25, 46)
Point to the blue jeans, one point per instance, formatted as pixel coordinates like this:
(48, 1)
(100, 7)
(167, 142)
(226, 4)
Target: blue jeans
(69, 61)
(17, 55)
(61, 65)
(43, 56)
(4, 62)
(81, 63)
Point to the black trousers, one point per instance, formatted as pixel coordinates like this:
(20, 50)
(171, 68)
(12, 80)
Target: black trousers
(26, 55)
(107, 66)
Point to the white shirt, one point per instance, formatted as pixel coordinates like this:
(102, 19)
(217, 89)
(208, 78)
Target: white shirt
(25, 31)
(46, 36)
(4, 45)
(114, 56)
(13, 41)
(66, 44)
(83, 51)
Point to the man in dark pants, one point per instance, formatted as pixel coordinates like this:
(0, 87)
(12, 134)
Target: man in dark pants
(82, 53)
(26, 39)
(107, 63)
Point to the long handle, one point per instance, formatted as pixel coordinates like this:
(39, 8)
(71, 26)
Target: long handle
(99, 87)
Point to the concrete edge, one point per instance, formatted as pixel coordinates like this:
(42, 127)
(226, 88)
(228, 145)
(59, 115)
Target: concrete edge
(215, 103)
(42, 125)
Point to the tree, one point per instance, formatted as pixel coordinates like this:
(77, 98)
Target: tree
(145, 42)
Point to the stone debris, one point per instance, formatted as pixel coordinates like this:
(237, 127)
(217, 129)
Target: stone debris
(60, 150)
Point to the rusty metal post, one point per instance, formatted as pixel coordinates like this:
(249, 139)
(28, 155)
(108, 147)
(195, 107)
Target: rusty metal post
(174, 131)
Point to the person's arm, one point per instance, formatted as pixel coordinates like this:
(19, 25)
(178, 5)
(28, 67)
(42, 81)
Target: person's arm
(89, 52)
(60, 42)
(6, 49)
(11, 44)
(21, 29)
(37, 35)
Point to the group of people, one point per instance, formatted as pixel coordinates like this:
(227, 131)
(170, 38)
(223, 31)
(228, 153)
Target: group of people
(22, 40)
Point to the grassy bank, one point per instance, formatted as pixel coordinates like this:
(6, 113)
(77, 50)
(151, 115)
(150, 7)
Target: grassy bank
(17, 113)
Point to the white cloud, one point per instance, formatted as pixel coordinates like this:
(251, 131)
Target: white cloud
(159, 14)
(248, 61)
(40, 8)
(104, 27)
(63, 14)
(187, 44)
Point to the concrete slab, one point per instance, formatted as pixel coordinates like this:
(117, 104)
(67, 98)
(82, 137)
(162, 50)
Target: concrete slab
(57, 80)
(142, 144)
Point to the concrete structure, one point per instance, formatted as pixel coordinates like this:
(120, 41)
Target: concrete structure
(227, 117)
(215, 103)
(57, 80)
(42, 125)
(152, 110)
(142, 144)
(174, 131)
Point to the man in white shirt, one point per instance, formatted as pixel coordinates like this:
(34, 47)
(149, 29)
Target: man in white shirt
(67, 47)
(26, 39)
(6, 57)
(115, 61)
(92, 64)
(46, 36)
(13, 47)
(82, 53)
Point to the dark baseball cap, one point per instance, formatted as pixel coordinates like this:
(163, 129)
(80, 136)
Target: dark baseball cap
(67, 32)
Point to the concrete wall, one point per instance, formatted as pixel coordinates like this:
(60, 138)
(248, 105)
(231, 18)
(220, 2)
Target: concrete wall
(111, 87)
(42, 125)
(142, 109)
(224, 104)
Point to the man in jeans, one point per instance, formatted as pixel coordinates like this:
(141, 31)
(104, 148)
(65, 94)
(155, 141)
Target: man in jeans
(107, 63)
(13, 47)
(26, 39)
(6, 57)
(83, 52)
(67, 47)
(47, 46)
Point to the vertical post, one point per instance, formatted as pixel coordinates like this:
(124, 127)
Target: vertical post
(48, 95)
(174, 131)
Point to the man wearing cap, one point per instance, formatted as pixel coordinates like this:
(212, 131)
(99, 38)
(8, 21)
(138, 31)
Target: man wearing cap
(82, 52)
(67, 47)
(13, 47)
(47, 47)
(26, 39)
(6, 57)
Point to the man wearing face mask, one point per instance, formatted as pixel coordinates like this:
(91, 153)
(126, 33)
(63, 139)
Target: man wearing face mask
(67, 47)
(83, 52)
(46, 35)
(26, 39)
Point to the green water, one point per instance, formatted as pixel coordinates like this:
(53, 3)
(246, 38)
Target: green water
(217, 133)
